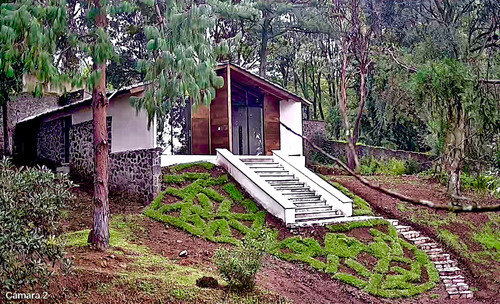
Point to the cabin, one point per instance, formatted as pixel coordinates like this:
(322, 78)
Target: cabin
(242, 130)
(245, 117)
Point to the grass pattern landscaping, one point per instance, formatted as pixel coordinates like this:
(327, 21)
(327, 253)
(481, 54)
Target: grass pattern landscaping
(380, 263)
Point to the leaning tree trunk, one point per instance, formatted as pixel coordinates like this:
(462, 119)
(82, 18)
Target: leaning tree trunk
(454, 151)
(99, 235)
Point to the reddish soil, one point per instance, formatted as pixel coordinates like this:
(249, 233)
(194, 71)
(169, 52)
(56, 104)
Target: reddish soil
(294, 281)
(480, 276)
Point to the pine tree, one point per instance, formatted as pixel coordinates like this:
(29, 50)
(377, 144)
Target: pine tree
(179, 63)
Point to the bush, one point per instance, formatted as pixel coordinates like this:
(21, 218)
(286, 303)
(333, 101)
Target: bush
(240, 265)
(31, 200)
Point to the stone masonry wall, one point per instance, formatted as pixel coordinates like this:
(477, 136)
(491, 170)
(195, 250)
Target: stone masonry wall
(316, 131)
(50, 142)
(22, 107)
(136, 172)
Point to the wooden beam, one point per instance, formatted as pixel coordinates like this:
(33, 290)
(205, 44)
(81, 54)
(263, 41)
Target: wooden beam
(229, 108)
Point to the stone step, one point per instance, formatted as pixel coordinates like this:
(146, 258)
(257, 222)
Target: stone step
(445, 264)
(466, 294)
(453, 279)
(393, 222)
(439, 257)
(449, 271)
(421, 240)
(433, 251)
(456, 287)
(426, 246)
(269, 169)
(411, 234)
(317, 216)
(401, 228)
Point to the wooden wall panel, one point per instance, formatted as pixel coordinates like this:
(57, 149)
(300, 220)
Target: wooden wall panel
(271, 123)
(219, 118)
(200, 133)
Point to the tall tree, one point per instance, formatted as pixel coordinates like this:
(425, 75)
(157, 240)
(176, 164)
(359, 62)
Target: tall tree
(180, 62)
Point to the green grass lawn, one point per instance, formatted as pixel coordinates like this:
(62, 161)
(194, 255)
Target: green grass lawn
(212, 207)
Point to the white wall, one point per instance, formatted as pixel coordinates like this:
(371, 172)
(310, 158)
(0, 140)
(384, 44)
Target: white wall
(129, 129)
(291, 115)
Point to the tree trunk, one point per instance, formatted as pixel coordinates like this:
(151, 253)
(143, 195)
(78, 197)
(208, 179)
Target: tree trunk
(263, 52)
(352, 158)
(454, 151)
(99, 235)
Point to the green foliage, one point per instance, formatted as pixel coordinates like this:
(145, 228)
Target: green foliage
(360, 206)
(239, 266)
(489, 238)
(196, 213)
(180, 167)
(372, 166)
(180, 59)
(31, 201)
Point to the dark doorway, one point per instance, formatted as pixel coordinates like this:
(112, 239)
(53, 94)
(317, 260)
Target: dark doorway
(67, 127)
(247, 121)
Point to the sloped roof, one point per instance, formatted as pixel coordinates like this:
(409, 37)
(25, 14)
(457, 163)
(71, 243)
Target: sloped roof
(265, 84)
(83, 102)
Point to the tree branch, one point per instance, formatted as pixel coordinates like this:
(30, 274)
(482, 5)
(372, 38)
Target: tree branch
(473, 207)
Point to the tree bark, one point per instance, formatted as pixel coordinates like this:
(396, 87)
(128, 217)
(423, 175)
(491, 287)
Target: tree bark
(99, 235)
(454, 151)
(263, 51)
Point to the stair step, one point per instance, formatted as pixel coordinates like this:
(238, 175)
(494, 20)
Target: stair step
(277, 183)
(402, 228)
(297, 191)
(310, 204)
(288, 188)
(271, 171)
(312, 209)
(411, 234)
(281, 179)
(317, 216)
(263, 165)
(258, 160)
(421, 240)
(299, 194)
(287, 176)
(302, 213)
(304, 199)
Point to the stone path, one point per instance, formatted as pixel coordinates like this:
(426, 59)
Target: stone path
(448, 269)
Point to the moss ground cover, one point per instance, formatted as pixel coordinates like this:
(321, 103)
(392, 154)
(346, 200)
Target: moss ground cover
(212, 207)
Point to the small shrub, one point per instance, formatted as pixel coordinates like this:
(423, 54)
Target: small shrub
(240, 265)
(31, 201)
(412, 166)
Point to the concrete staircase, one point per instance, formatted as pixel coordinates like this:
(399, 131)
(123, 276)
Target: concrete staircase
(287, 189)
(310, 207)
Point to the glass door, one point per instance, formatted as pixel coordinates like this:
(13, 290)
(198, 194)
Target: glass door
(247, 121)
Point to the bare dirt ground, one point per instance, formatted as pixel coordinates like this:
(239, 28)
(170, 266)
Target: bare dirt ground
(483, 275)
(280, 281)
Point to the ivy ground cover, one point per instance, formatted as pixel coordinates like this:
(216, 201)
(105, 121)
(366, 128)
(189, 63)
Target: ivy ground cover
(202, 200)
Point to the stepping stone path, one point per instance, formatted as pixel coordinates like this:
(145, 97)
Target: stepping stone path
(448, 269)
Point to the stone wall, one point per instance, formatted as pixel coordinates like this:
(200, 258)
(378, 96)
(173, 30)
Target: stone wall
(316, 131)
(22, 107)
(136, 172)
(50, 141)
